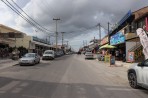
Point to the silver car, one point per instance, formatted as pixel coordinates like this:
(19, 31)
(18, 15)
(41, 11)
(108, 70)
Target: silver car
(30, 59)
(89, 55)
(138, 75)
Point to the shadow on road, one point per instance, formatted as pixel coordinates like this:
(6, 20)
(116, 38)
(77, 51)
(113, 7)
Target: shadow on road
(15, 88)
(65, 57)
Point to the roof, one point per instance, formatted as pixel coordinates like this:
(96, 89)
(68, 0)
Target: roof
(16, 31)
(141, 12)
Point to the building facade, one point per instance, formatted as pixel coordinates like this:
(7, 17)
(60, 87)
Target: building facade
(124, 36)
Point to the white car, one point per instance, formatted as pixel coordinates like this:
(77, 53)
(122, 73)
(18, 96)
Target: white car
(138, 75)
(30, 59)
(48, 54)
(89, 55)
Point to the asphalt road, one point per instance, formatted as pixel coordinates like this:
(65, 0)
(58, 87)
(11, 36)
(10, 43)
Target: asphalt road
(70, 76)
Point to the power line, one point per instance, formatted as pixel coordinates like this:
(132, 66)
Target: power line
(29, 16)
(7, 3)
(45, 9)
(17, 12)
(87, 29)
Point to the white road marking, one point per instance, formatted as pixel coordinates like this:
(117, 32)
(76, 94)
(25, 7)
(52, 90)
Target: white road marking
(16, 90)
(9, 86)
(120, 89)
(24, 84)
(30, 96)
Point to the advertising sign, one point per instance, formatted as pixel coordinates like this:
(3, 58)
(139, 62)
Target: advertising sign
(143, 40)
(130, 56)
(117, 38)
(112, 60)
(104, 41)
(40, 40)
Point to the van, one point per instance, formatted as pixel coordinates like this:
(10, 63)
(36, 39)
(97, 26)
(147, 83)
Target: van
(48, 55)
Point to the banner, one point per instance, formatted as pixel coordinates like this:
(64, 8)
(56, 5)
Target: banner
(146, 23)
(130, 56)
(143, 40)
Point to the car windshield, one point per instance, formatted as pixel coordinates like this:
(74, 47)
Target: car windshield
(48, 52)
(29, 55)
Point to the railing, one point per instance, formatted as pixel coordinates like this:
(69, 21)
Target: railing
(135, 47)
(138, 53)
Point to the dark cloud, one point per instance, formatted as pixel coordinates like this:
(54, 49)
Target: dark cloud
(76, 15)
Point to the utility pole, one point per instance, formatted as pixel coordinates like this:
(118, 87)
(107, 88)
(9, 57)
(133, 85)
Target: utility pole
(108, 33)
(56, 32)
(108, 28)
(83, 43)
(67, 43)
(62, 37)
(99, 30)
(49, 39)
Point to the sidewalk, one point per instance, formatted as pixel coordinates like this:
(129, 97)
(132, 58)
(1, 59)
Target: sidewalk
(117, 63)
(124, 64)
(4, 63)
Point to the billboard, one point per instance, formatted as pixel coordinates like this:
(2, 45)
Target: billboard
(117, 38)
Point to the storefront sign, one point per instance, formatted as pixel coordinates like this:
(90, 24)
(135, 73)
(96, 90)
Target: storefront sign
(117, 38)
(130, 56)
(104, 41)
(40, 40)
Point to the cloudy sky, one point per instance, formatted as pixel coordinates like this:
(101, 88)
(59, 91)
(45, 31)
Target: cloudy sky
(78, 17)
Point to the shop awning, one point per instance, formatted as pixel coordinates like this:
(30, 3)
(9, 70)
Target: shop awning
(107, 46)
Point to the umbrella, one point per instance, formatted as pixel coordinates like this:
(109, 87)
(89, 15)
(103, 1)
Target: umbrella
(107, 46)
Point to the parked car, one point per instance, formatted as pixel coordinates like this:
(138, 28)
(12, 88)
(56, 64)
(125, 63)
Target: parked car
(89, 55)
(29, 59)
(79, 53)
(138, 75)
(48, 55)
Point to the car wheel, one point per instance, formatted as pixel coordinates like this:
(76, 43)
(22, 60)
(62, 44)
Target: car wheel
(34, 62)
(38, 61)
(132, 80)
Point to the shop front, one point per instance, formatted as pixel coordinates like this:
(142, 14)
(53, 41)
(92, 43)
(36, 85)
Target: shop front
(118, 40)
(102, 43)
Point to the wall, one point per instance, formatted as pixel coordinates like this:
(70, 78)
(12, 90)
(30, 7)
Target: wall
(9, 41)
(129, 45)
(23, 41)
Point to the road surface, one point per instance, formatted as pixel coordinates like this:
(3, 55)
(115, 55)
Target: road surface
(70, 76)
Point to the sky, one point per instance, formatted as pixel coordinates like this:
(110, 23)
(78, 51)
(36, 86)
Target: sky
(78, 18)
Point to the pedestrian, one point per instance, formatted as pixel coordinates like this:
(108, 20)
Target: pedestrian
(117, 54)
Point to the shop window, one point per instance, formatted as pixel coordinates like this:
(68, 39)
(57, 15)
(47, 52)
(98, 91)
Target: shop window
(133, 27)
(141, 23)
(127, 30)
